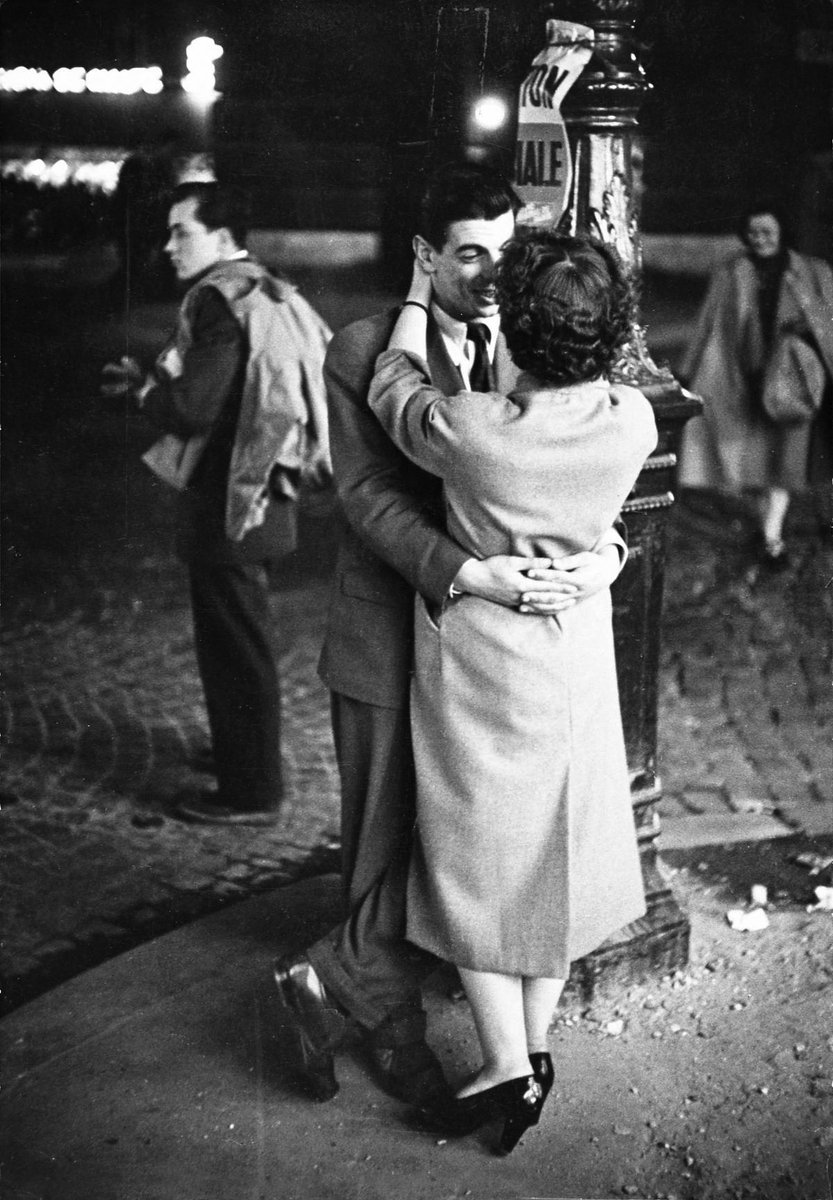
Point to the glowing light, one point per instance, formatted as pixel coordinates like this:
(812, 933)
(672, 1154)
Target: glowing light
(97, 176)
(489, 113)
(200, 57)
(74, 80)
(58, 174)
(34, 170)
(69, 79)
(25, 79)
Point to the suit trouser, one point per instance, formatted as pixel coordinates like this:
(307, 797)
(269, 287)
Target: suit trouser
(236, 659)
(365, 962)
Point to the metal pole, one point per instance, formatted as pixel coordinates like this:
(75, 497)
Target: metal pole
(601, 115)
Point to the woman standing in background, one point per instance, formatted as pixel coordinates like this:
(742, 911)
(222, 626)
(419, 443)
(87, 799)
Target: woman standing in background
(755, 300)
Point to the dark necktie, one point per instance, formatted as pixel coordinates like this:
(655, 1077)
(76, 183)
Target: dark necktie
(480, 376)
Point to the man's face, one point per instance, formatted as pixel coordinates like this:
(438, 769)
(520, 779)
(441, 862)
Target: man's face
(191, 247)
(463, 272)
(763, 233)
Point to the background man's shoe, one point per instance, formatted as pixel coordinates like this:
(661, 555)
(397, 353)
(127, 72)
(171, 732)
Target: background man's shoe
(406, 1066)
(312, 1026)
(204, 808)
(203, 761)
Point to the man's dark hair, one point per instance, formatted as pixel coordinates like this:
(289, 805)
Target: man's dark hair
(565, 306)
(219, 206)
(463, 193)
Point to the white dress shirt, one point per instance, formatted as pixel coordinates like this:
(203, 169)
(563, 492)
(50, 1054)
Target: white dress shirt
(460, 349)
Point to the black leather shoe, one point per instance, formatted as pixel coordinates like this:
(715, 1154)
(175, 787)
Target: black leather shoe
(542, 1069)
(203, 761)
(517, 1103)
(205, 809)
(312, 1026)
(405, 1064)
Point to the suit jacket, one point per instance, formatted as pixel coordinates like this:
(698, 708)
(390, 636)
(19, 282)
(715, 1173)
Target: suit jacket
(395, 541)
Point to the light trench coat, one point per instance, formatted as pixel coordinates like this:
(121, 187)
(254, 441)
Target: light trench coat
(525, 850)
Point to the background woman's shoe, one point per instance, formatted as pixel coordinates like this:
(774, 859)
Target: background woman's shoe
(311, 1026)
(773, 554)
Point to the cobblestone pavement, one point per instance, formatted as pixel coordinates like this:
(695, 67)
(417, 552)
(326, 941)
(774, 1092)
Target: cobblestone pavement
(101, 721)
(102, 711)
(745, 706)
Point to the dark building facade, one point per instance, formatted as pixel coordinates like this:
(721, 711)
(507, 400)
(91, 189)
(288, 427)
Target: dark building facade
(323, 101)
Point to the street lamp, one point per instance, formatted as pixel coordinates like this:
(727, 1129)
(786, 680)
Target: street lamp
(601, 196)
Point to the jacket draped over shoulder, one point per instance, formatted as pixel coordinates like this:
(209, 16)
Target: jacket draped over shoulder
(282, 413)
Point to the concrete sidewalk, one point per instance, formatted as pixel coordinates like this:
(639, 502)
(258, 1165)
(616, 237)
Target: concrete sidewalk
(157, 1077)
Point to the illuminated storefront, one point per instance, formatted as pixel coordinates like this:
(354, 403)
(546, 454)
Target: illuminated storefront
(76, 125)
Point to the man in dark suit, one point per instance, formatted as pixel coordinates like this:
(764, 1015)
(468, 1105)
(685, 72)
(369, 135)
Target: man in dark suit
(240, 383)
(396, 544)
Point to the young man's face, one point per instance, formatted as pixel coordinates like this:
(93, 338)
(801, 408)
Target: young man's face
(463, 272)
(190, 246)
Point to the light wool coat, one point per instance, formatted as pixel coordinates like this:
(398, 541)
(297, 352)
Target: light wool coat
(525, 850)
(734, 445)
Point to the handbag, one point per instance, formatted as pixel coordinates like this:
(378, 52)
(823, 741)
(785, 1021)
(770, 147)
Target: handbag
(794, 381)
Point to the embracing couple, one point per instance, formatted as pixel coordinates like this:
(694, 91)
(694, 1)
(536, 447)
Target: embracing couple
(481, 457)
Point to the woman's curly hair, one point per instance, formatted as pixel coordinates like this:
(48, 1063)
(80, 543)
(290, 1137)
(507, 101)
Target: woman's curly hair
(566, 306)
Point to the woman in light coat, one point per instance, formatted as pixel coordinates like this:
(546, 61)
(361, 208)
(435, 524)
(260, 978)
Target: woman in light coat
(525, 849)
(753, 301)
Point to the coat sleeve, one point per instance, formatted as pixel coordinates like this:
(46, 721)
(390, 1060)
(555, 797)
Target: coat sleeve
(385, 500)
(714, 302)
(314, 335)
(190, 401)
(412, 412)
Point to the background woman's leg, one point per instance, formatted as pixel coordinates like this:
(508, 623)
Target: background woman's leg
(774, 504)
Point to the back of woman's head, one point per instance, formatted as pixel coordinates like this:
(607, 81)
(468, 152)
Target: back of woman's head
(566, 306)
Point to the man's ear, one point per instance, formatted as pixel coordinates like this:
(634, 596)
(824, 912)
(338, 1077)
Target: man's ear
(424, 254)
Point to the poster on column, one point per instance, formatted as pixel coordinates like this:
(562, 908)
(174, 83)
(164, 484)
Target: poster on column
(543, 166)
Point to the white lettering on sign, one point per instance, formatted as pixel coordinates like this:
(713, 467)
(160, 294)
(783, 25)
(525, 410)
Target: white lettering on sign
(543, 166)
(539, 162)
(541, 85)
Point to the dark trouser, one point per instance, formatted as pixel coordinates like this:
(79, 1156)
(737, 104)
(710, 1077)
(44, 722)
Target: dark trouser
(236, 659)
(365, 962)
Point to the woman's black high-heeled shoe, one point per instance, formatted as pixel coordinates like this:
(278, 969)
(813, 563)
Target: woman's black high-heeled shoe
(517, 1101)
(542, 1069)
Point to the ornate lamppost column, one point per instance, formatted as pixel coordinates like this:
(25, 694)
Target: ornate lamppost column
(600, 112)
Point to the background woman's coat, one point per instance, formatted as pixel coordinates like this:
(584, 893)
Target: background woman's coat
(734, 445)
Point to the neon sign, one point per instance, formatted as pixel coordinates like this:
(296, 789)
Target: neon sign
(101, 175)
(77, 80)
